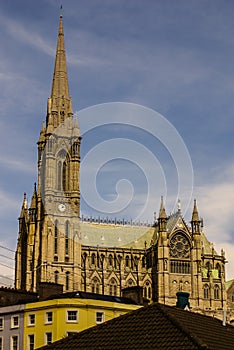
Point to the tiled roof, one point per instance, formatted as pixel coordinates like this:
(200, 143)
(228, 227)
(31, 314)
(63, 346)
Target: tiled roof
(153, 327)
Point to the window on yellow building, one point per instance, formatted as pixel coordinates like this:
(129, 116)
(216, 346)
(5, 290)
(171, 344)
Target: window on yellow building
(48, 338)
(72, 316)
(31, 342)
(31, 319)
(1, 343)
(99, 317)
(49, 317)
(1, 323)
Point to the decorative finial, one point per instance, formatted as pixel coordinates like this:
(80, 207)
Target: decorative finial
(179, 205)
(25, 203)
(61, 11)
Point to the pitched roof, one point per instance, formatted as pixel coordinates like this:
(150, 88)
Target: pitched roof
(153, 327)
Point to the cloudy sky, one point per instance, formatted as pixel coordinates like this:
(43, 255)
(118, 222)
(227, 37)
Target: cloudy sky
(173, 57)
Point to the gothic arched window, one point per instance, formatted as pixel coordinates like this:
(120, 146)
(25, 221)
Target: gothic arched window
(147, 290)
(206, 291)
(130, 282)
(67, 280)
(64, 176)
(95, 285)
(59, 175)
(67, 238)
(93, 259)
(216, 292)
(56, 276)
(56, 237)
(218, 268)
(127, 261)
(113, 287)
(110, 260)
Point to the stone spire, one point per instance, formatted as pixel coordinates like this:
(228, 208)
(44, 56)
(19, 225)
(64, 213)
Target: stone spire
(162, 218)
(34, 198)
(195, 216)
(162, 211)
(195, 222)
(24, 209)
(59, 104)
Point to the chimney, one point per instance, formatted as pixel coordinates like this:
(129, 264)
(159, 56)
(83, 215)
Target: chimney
(48, 289)
(183, 300)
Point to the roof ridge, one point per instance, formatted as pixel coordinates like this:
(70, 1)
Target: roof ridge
(195, 339)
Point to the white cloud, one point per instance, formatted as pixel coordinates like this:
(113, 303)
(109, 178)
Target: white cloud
(18, 31)
(215, 205)
(19, 165)
(9, 204)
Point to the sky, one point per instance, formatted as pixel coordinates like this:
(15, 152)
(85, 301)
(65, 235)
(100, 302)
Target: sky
(169, 61)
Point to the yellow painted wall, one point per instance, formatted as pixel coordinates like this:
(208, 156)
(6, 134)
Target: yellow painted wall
(59, 327)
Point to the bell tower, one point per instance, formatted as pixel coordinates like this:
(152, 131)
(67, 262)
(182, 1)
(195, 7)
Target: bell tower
(56, 245)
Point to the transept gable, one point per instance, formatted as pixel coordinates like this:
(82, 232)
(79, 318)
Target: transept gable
(178, 224)
(112, 276)
(94, 274)
(130, 280)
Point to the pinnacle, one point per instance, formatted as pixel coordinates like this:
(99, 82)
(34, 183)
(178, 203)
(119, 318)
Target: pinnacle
(195, 216)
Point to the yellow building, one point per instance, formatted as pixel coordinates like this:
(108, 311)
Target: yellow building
(50, 320)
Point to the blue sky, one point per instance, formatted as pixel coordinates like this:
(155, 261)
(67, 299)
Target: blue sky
(175, 57)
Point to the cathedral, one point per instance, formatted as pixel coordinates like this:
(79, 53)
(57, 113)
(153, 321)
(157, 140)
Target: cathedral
(56, 245)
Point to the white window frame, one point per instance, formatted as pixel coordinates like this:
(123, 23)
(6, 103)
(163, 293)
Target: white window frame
(29, 335)
(17, 337)
(1, 343)
(98, 314)
(72, 321)
(12, 321)
(46, 338)
(29, 320)
(2, 327)
(46, 317)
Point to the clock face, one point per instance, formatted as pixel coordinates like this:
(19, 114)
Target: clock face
(62, 207)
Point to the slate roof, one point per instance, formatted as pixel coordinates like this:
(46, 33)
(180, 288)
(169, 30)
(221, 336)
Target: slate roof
(114, 235)
(93, 296)
(153, 327)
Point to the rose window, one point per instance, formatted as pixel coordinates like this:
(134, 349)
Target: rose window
(179, 246)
